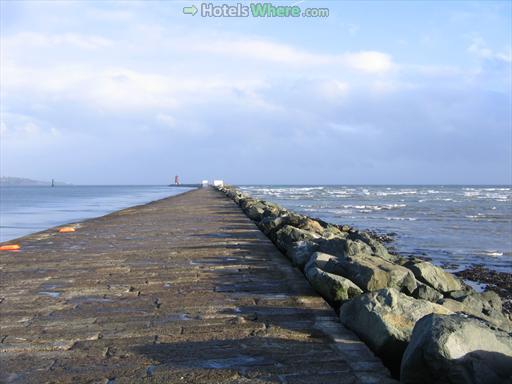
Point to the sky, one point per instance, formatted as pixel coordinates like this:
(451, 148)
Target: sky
(378, 92)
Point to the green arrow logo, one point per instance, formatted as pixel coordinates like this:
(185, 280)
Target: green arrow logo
(190, 10)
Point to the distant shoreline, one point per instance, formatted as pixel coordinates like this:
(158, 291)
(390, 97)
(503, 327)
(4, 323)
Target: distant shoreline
(24, 182)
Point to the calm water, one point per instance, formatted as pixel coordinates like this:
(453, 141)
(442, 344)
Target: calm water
(459, 225)
(24, 210)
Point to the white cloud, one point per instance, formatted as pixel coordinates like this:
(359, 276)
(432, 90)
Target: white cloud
(479, 48)
(19, 126)
(334, 90)
(28, 40)
(123, 89)
(369, 61)
(365, 61)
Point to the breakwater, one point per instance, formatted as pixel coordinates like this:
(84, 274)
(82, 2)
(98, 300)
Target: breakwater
(424, 322)
(182, 290)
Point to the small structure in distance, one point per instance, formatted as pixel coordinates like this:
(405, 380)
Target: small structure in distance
(218, 183)
(204, 183)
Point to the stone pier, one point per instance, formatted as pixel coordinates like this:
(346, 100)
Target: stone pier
(181, 290)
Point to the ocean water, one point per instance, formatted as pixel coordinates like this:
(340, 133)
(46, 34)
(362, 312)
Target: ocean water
(455, 226)
(25, 210)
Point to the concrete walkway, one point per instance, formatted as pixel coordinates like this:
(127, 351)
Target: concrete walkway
(182, 290)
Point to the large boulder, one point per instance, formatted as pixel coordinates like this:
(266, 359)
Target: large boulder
(486, 306)
(321, 260)
(333, 246)
(308, 224)
(300, 252)
(288, 235)
(377, 248)
(357, 248)
(433, 276)
(335, 289)
(270, 225)
(456, 349)
(333, 232)
(260, 209)
(255, 210)
(373, 273)
(425, 292)
(385, 320)
(246, 201)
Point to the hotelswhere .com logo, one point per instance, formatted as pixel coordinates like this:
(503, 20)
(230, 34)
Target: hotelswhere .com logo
(253, 10)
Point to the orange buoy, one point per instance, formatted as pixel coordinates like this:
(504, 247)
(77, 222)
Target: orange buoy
(66, 229)
(10, 247)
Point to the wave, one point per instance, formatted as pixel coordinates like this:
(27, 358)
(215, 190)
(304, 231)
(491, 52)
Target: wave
(370, 208)
(492, 253)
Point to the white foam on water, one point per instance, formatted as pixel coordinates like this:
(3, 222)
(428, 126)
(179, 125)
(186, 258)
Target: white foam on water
(370, 208)
(492, 253)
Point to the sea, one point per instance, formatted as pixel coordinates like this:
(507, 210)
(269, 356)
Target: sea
(24, 210)
(453, 226)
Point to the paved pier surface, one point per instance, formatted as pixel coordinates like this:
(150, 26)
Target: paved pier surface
(182, 290)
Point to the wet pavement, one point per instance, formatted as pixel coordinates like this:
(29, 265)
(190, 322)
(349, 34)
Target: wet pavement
(182, 290)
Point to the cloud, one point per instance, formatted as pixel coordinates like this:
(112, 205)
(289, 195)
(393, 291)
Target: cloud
(20, 127)
(145, 98)
(265, 50)
(368, 61)
(479, 48)
(29, 40)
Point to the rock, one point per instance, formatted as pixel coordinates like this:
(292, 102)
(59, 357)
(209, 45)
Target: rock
(270, 225)
(458, 295)
(373, 273)
(436, 277)
(378, 249)
(333, 232)
(300, 252)
(310, 225)
(385, 320)
(357, 248)
(256, 210)
(457, 350)
(486, 306)
(288, 235)
(296, 220)
(246, 201)
(335, 289)
(272, 209)
(335, 246)
(321, 259)
(425, 292)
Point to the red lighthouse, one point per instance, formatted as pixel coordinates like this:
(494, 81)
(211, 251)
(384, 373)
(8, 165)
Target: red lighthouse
(176, 180)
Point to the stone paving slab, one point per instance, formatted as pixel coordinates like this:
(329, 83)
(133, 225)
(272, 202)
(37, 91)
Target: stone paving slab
(181, 290)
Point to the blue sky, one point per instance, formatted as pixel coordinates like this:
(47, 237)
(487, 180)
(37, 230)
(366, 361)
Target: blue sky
(398, 92)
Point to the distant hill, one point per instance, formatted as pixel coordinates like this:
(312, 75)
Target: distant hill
(22, 182)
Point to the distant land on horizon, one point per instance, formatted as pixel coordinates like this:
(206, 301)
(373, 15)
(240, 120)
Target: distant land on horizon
(24, 182)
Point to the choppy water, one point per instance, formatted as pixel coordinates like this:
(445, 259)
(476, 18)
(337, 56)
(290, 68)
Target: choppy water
(24, 210)
(453, 225)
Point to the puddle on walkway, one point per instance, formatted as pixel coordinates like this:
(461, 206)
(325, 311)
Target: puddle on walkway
(218, 235)
(54, 295)
(89, 299)
(238, 361)
(215, 261)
